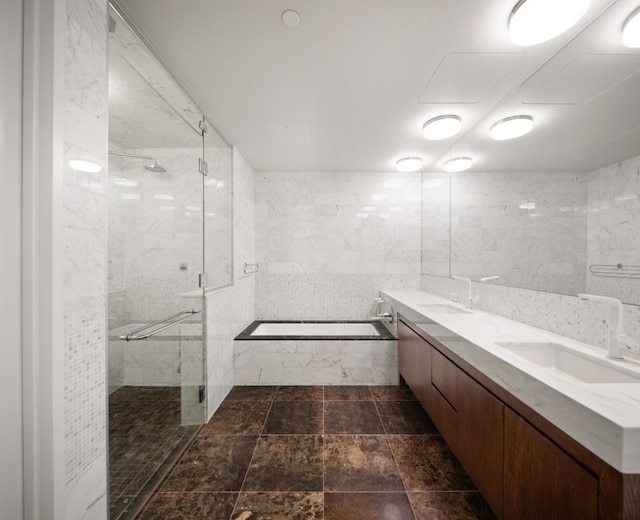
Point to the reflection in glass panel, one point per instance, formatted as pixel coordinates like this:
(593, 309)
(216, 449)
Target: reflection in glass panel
(155, 257)
(218, 193)
(435, 224)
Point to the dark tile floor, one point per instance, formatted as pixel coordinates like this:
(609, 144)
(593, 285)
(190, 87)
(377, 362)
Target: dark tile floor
(145, 440)
(323, 453)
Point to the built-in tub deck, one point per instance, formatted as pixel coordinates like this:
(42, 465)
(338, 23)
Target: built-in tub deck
(322, 330)
(315, 353)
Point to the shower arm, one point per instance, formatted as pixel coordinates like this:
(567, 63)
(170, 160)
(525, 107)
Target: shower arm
(135, 155)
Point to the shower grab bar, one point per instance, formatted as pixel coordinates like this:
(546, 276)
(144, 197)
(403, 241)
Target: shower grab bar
(133, 335)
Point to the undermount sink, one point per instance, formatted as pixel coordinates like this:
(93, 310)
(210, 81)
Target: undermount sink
(443, 308)
(559, 358)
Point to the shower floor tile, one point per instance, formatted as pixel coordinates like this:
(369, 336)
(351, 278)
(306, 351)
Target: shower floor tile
(318, 453)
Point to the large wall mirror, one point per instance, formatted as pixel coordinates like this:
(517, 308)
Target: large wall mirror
(563, 215)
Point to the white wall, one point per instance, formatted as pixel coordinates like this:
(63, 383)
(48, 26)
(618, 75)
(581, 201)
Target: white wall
(10, 271)
(328, 241)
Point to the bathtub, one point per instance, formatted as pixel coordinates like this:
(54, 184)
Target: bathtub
(315, 353)
(329, 330)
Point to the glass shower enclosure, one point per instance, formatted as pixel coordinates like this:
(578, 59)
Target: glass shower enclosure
(169, 207)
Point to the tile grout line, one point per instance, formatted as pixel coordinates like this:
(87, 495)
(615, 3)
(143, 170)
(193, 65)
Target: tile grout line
(255, 448)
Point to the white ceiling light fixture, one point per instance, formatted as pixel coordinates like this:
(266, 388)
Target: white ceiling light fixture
(458, 164)
(290, 18)
(511, 127)
(441, 127)
(85, 165)
(631, 30)
(409, 164)
(536, 21)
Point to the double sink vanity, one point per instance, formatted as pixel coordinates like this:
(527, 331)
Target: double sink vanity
(547, 427)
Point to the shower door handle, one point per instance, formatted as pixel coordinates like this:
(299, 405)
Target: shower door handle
(160, 325)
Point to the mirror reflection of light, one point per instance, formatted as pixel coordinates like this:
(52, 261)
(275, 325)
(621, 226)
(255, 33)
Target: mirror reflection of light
(167, 208)
(626, 196)
(130, 196)
(127, 183)
(395, 209)
(362, 215)
(163, 196)
(369, 208)
(85, 165)
(385, 215)
(194, 208)
(528, 204)
(210, 214)
(378, 196)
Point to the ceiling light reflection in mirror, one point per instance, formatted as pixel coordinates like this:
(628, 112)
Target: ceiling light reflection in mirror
(511, 127)
(458, 164)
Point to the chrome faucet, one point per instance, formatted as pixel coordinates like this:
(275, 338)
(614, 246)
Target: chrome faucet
(470, 297)
(617, 340)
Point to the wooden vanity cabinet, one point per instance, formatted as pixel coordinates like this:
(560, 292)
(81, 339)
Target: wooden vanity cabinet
(480, 439)
(541, 480)
(525, 467)
(414, 363)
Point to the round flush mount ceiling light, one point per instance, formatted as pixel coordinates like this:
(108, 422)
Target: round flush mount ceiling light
(458, 164)
(536, 21)
(631, 30)
(84, 165)
(290, 18)
(441, 127)
(511, 127)
(409, 164)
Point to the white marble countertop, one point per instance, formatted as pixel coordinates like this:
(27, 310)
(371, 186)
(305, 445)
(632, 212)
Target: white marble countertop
(603, 417)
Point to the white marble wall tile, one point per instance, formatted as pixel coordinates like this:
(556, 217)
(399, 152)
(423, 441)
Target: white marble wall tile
(84, 263)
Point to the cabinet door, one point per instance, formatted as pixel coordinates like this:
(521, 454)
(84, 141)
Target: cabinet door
(541, 480)
(414, 363)
(481, 438)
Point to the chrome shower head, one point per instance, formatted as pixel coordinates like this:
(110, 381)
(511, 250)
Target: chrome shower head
(155, 168)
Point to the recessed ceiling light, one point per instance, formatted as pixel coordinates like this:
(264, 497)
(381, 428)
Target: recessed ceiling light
(441, 127)
(536, 21)
(458, 164)
(85, 165)
(290, 18)
(631, 30)
(511, 127)
(409, 164)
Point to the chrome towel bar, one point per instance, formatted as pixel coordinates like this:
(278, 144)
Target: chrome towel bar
(251, 268)
(616, 271)
(164, 323)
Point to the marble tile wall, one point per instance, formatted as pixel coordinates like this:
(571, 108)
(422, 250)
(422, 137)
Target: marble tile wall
(228, 311)
(84, 263)
(327, 241)
(315, 362)
(529, 228)
(613, 235)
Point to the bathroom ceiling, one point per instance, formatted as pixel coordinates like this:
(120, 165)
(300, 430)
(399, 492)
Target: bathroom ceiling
(350, 88)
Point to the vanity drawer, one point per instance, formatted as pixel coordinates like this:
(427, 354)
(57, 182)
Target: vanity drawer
(445, 418)
(443, 376)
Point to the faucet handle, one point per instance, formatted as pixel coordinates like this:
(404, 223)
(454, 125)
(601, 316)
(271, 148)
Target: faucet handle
(628, 342)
